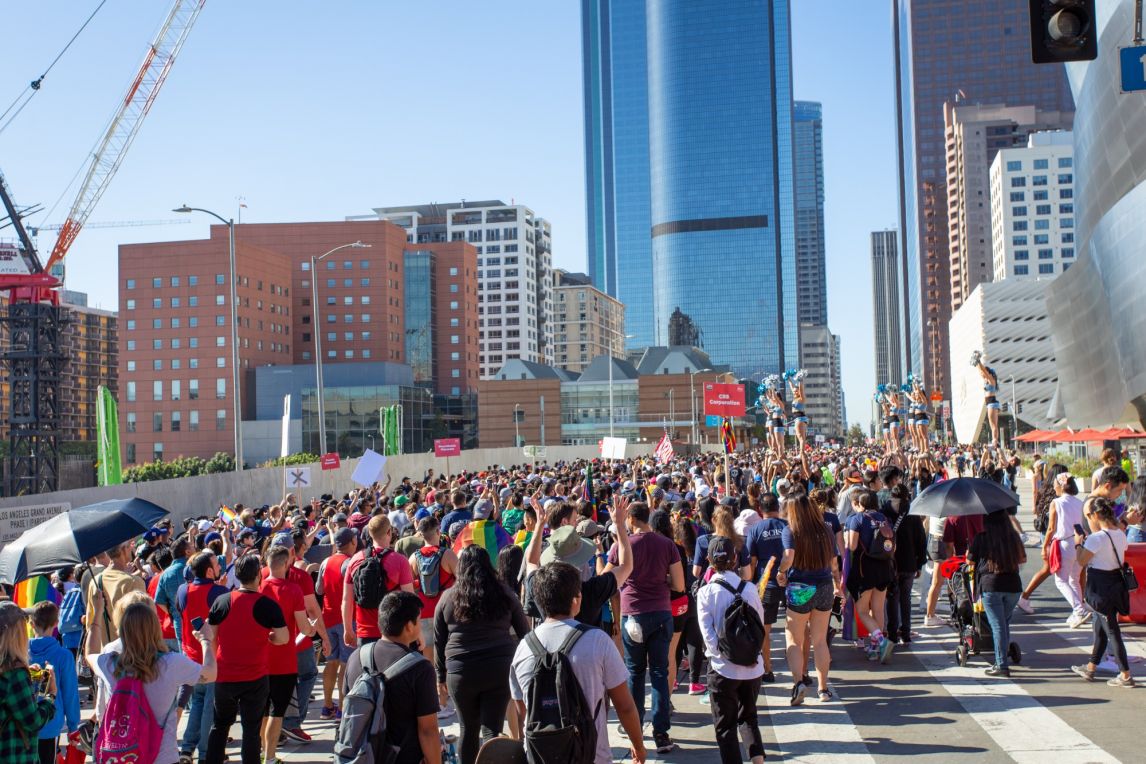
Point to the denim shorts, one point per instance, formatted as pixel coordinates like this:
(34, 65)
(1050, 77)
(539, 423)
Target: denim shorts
(339, 651)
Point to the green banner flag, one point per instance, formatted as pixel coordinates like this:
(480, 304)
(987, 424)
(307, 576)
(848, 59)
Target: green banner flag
(110, 471)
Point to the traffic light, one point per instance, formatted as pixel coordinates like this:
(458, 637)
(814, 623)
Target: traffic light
(1063, 30)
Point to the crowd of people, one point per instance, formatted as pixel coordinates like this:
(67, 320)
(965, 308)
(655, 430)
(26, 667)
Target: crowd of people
(480, 596)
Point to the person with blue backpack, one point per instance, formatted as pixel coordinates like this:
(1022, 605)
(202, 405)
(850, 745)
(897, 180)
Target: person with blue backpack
(46, 651)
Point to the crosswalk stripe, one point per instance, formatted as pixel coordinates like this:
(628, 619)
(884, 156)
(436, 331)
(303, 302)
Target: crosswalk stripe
(1023, 729)
(814, 733)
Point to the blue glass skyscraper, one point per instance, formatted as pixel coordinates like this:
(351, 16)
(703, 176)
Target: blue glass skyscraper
(617, 158)
(690, 172)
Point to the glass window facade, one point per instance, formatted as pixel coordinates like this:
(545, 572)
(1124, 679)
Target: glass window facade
(419, 314)
(722, 177)
(353, 419)
(585, 411)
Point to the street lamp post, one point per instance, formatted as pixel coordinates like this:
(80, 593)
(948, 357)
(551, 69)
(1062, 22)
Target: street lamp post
(611, 412)
(672, 411)
(692, 397)
(317, 327)
(516, 426)
(236, 408)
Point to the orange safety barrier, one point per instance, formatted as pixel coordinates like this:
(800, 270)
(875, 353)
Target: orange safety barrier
(1136, 556)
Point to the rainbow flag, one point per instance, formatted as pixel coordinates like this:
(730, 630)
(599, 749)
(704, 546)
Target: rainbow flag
(484, 533)
(35, 589)
(522, 537)
(728, 436)
(227, 514)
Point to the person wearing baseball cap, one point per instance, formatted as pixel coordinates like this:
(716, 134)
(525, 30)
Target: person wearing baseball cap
(733, 688)
(329, 584)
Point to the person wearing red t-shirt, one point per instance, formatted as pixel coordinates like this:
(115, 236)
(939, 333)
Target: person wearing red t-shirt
(244, 624)
(160, 561)
(361, 624)
(446, 566)
(306, 667)
(282, 661)
(193, 601)
(331, 576)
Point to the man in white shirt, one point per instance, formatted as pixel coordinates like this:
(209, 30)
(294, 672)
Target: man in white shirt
(594, 659)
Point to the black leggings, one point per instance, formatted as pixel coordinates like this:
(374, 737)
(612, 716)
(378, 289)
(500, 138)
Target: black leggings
(899, 606)
(1107, 634)
(733, 705)
(47, 749)
(481, 695)
(692, 640)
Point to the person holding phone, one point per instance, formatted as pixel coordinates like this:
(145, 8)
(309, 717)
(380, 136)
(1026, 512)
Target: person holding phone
(193, 602)
(1064, 515)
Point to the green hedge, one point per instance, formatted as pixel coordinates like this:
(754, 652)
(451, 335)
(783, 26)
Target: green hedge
(292, 460)
(184, 466)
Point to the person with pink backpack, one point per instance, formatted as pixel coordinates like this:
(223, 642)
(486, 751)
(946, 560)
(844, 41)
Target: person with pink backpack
(138, 681)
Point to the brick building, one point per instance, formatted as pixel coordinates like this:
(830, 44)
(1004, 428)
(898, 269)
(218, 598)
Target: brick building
(176, 340)
(586, 322)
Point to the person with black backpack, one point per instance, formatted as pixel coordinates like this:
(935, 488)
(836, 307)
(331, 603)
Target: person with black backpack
(561, 674)
(732, 624)
(870, 539)
(392, 673)
(370, 575)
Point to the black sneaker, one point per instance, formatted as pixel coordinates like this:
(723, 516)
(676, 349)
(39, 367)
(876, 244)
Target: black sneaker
(769, 677)
(807, 681)
(798, 691)
(663, 743)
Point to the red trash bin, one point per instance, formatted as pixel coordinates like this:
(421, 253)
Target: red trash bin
(1136, 556)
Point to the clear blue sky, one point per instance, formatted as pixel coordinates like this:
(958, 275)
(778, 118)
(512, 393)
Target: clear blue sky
(314, 111)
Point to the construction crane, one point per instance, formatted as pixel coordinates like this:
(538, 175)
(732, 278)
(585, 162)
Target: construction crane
(34, 361)
(35, 229)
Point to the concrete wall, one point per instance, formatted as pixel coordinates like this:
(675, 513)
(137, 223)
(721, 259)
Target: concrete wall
(190, 497)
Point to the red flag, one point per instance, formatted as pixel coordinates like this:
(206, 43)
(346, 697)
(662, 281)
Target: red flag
(663, 451)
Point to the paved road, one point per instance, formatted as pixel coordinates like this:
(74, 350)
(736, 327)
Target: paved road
(923, 705)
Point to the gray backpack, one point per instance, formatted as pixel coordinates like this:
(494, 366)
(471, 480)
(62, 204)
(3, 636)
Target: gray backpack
(362, 732)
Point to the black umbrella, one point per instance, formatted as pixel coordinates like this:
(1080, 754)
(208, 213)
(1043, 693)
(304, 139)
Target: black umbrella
(964, 496)
(72, 537)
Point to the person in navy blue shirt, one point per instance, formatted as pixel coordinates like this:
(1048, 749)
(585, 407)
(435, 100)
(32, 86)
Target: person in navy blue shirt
(764, 543)
(869, 577)
(460, 513)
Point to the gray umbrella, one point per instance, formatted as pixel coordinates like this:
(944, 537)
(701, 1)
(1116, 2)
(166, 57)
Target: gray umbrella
(964, 496)
(73, 537)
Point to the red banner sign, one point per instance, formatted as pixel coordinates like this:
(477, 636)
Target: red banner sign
(723, 400)
(448, 447)
(330, 461)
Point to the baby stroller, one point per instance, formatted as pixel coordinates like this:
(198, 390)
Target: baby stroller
(967, 615)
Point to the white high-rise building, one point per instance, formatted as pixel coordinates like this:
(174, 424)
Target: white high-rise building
(515, 271)
(1032, 208)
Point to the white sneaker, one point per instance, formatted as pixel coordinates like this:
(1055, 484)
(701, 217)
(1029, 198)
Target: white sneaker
(930, 621)
(1085, 618)
(1074, 621)
(1025, 606)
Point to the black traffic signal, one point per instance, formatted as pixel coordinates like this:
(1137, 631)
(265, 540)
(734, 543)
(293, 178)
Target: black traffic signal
(1063, 30)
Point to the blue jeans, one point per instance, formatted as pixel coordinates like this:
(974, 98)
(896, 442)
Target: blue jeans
(200, 716)
(307, 674)
(652, 654)
(1135, 535)
(1000, 606)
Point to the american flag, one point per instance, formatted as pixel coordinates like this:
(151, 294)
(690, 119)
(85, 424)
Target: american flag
(663, 451)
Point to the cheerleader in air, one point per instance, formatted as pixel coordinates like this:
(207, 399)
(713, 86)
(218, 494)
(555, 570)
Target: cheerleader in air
(777, 429)
(884, 422)
(991, 393)
(795, 380)
(893, 408)
(919, 416)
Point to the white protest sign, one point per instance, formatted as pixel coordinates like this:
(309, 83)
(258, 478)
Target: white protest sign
(369, 468)
(298, 477)
(13, 522)
(613, 448)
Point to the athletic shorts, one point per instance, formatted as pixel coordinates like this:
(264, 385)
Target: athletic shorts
(338, 649)
(869, 574)
(773, 596)
(820, 600)
(282, 690)
(936, 549)
(426, 626)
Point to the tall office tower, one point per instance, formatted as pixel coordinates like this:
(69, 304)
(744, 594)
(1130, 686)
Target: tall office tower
(886, 279)
(515, 271)
(985, 54)
(975, 133)
(1032, 208)
(615, 80)
(811, 270)
(665, 83)
(820, 355)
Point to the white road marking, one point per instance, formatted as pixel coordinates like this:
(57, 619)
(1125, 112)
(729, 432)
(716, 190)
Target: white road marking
(815, 733)
(1021, 727)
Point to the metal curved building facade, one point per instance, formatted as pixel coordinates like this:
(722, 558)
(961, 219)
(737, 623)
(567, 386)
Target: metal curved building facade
(1098, 308)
